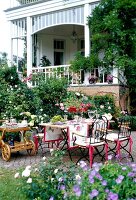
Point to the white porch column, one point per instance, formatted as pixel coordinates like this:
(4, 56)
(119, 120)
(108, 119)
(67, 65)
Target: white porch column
(29, 46)
(86, 30)
(10, 53)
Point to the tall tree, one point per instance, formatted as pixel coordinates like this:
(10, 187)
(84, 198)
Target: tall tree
(113, 37)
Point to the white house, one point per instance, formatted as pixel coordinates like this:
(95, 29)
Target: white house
(57, 29)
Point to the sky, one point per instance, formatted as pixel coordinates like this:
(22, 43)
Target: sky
(4, 29)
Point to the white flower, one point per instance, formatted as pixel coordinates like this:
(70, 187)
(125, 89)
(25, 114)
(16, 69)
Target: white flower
(44, 158)
(28, 167)
(51, 151)
(109, 107)
(29, 180)
(108, 116)
(27, 114)
(60, 179)
(41, 109)
(36, 170)
(101, 106)
(61, 104)
(52, 179)
(77, 93)
(55, 171)
(109, 157)
(33, 116)
(16, 175)
(26, 173)
(31, 123)
(78, 177)
(9, 101)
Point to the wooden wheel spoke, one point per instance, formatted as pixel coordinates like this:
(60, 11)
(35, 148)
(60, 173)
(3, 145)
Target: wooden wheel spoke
(6, 152)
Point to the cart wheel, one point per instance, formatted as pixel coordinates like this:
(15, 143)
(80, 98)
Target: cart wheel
(6, 152)
(31, 151)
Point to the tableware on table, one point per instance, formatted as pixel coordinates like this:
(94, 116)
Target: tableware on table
(91, 114)
(65, 117)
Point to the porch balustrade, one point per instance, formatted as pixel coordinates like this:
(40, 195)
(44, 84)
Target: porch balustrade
(63, 71)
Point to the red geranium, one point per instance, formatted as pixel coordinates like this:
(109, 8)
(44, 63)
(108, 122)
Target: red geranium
(72, 109)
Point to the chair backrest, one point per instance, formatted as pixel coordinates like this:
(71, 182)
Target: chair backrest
(124, 128)
(99, 130)
(80, 131)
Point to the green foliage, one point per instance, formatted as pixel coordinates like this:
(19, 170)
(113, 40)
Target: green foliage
(51, 92)
(81, 62)
(113, 31)
(55, 179)
(3, 59)
(15, 96)
(48, 178)
(132, 120)
(45, 61)
(104, 104)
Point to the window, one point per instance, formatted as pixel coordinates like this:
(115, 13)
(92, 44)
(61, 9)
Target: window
(58, 52)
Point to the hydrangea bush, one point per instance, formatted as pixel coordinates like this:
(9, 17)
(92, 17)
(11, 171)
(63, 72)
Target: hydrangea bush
(55, 179)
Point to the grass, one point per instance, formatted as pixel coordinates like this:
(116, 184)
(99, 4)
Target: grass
(9, 186)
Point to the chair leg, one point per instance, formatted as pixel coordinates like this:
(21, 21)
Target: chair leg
(118, 149)
(106, 151)
(91, 151)
(36, 142)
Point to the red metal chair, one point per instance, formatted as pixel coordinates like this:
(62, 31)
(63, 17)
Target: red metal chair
(92, 142)
(121, 139)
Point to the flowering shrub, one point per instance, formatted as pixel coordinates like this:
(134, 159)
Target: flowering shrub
(104, 104)
(76, 103)
(55, 180)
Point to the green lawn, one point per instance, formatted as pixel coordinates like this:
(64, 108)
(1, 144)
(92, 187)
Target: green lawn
(9, 186)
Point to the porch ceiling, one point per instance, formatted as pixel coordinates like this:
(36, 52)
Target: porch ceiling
(63, 30)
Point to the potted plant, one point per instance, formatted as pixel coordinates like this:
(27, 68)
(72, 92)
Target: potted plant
(92, 79)
(109, 78)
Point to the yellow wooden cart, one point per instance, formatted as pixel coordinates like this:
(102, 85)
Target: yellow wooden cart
(24, 144)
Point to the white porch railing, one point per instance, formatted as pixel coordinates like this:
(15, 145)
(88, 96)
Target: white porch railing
(60, 71)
